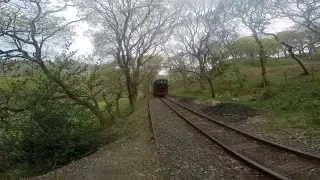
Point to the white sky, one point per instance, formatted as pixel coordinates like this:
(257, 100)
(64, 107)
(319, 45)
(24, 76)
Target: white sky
(82, 42)
(277, 25)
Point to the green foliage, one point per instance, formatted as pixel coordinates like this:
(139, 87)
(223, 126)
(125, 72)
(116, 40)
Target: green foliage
(291, 36)
(50, 131)
(291, 98)
(271, 46)
(60, 137)
(315, 56)
(298, 96)
(247, 46)
(233, 78)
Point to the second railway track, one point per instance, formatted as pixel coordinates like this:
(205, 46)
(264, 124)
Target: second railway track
(273, 159)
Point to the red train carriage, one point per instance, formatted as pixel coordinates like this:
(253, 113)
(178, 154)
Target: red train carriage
(160, 87)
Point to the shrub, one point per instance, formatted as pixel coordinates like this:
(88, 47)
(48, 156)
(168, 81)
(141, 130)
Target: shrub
(315, 56)
(50, 133)
(59, 137)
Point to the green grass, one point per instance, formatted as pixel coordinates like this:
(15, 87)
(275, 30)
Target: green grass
(291, 101)
(130, 125)
(123, 105)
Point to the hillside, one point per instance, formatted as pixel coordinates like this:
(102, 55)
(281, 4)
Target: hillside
(290, 104)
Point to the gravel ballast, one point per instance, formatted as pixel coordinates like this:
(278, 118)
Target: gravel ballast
(186, 154)
(254, 122)
(281, 161)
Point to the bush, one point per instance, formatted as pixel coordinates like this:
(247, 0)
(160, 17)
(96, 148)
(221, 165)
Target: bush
(59, 137)
(50, 133)
(315, 56)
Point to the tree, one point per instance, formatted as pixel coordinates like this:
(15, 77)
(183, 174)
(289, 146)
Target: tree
(311, 41)
(296, 39)
(201, 29)
(299, 36)
(113, 88)
(290, 50)
(132, 32)
(149, 72)
(272, 47)
(194, 33)
(247, 46)
(286, 36)
(27, 30)
(255, 15)
(181, 66)
(196, 28)
(40, 129)
(305, 13)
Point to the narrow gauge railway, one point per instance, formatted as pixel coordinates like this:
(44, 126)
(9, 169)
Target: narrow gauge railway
(276, 160)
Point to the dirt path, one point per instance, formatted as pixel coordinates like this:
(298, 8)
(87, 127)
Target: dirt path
(127, 158)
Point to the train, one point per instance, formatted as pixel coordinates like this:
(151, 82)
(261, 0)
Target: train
(160, 88)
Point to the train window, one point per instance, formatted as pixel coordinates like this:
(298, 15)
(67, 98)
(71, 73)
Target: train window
(161, 82)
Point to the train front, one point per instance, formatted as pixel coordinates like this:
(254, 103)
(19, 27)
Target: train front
(160, 87)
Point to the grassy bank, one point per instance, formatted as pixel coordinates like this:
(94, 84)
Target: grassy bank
(48, 132)
(292, 101)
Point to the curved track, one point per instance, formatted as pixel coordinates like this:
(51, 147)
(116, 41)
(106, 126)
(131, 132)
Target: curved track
(271, 158)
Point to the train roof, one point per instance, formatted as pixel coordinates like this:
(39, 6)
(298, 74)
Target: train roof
(161, 81)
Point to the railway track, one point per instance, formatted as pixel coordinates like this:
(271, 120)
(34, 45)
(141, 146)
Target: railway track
(276, 160)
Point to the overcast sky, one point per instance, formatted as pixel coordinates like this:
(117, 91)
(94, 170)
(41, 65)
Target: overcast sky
(82, 42)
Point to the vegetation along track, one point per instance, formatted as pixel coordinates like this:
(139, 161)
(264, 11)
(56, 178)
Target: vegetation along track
(271, 158)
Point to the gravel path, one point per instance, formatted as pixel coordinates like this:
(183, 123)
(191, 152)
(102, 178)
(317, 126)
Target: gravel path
(133, 157)
(186, 154)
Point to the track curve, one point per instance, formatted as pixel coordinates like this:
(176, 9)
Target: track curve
(271, 158)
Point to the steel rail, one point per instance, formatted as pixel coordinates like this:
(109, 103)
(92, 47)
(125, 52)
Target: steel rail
(265, 141)
(151, 128)
(247, 160)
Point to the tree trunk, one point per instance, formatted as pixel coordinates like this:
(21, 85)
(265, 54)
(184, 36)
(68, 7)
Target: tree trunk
(300, 49)
(118, 104)
(202, 76)
(263, 71)
(312, 48)
(201, 81)
(132, 90)
(293, 56)
(261, 59)
(184, 80)
(145, 89)
(285, 53)
(212, 90)
(104, 122)
(290, 50)
(3, 71)
(92, 107)
(185, 84)
(130, 95)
